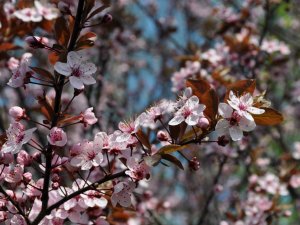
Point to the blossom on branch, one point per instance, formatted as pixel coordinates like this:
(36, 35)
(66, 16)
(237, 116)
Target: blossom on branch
(190, 112)
(77, 69)
(17, 136)
(233, 123)
(57, 137)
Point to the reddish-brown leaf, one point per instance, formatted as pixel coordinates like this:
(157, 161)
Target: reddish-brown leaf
(167, 149)
(53, 57)
(240, 87)
(173, 160)
(6, 46)
(3, 139)
(211, 101)
(97, 10)
(199, 86)
(62, 31)
(68, 119)
(46, 107)
(143, 139)
(43, 72)
(270, 117)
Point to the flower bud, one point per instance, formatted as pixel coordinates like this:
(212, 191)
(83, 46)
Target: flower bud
(203, 123)
(17, 113)
(162, 136)
(27, 177)
(194, 164)
(107, 18)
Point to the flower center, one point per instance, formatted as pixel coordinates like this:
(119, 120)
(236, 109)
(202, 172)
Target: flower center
(242, 107)
(56, 136)
(91, 155)
(19, 138)
(235, 118)
(76, 72)
(186, 112)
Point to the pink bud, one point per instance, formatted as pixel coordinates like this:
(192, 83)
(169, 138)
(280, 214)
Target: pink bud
(194, 164)
(17, 113)
(162, 136)
(88, 117)
(218, 188)
(24, 158)
(203, 123)
(27, 177)
(57, 137)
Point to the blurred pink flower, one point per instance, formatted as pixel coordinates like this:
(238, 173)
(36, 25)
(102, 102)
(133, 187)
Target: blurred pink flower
(77, 69)
(57, 137)
(17, 136)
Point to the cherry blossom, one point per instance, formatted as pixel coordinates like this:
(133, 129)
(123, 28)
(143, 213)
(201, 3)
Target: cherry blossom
(137, 171)
(190, 112)
(243, 105)
(77, 69)
(15, 175)
(233, 123)
(92, 199)
(28, 15)
(122, 193)
(57, 137)
(17, 136)
(47, 11)
(88, 117)
(21, 74)
(156, 113)
(295, 181)
(89, 154)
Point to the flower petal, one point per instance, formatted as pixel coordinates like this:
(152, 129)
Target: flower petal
(255, 110)
(176, 120)
(235, 133)
(225, 110)
(247, 125)
(74, 59)
(63, 68)
(222, 127)
(76, 82)
(88, 68)
(88, 80)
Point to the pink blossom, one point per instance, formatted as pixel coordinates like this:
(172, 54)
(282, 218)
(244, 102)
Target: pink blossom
(78, 70)
(190, 112)
(92, 199)
(243, 105)
(17, 113)
(137, 171)
(16, 220)
(48, 11)
(15, 175)
(21, 74)
(89, 154)
(155, 113)
(233, 123)
(57, 137)
(24, 158)
(28, 15)
(17, 136)
(295, 181)
(122, 193)
(88, 117)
